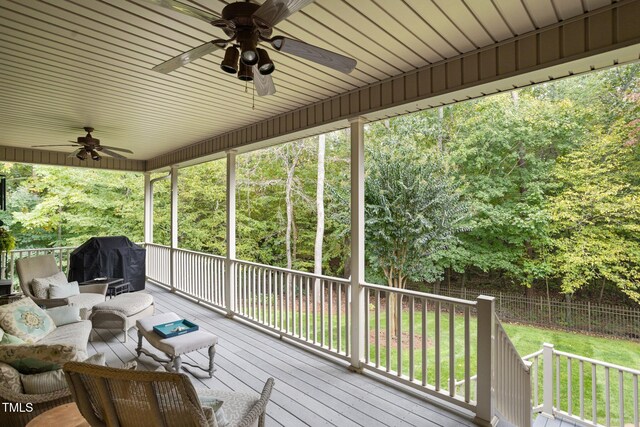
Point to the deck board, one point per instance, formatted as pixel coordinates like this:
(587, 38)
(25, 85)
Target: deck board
(309, 389)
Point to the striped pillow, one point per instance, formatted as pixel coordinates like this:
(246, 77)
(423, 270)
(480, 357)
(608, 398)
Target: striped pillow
(45, 382)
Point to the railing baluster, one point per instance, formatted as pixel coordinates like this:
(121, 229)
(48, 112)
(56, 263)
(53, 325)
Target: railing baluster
(330, 315)
(558, 381)
(581, 367)
(569, 390)
(339, 331)
(636, 416)
(306, 313)
(424, 342)
(594, 394)
(607, 396)
(388, 330)
(322, 309)
(316, 284)
(467, 354)
(411, 333)
(437, 344)
(621, 397)
(377, 328)
(367, 327)
(300, 289)
(452, 350)
(399, 335)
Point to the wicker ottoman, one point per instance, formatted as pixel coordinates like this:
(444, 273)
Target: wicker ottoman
(176, 346)
(122, 311)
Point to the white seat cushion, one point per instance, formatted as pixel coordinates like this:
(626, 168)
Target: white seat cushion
(175, 345)
(127, 304)
(235, 406)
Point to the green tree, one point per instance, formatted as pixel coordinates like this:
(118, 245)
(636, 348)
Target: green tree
(413, 210)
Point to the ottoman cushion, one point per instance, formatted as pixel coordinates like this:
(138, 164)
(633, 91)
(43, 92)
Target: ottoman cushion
(127, 304)
(178, 345)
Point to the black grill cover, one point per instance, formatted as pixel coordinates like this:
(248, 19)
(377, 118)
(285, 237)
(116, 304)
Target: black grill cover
(109, 257)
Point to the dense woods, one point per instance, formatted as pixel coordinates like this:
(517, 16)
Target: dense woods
(534, 190)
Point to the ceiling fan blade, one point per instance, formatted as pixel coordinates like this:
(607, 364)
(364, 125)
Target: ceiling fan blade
(188, 56)
(124, 150)
(273, 11)
(112, 153)
(316, 54)
(74, 153)
(264, 84)
(185, 9)
(54, 145)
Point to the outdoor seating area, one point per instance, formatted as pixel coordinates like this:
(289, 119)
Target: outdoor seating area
(250, 213)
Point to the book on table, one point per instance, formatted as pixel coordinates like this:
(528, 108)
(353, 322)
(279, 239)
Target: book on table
(175, 328)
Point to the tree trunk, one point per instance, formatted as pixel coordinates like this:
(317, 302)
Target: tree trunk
(441, 129)
(317, 253)
(604, 281)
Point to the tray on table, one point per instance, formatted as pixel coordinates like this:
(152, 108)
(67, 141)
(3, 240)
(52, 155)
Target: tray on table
(175, 328)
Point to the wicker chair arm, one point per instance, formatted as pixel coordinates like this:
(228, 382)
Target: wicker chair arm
(259, 408)
(12, 396)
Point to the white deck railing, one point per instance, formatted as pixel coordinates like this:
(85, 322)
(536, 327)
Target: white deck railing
(310, 308)
(61, 254)
(432, 350)
(588, 391)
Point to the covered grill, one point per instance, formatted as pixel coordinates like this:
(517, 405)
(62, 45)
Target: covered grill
(116, 257)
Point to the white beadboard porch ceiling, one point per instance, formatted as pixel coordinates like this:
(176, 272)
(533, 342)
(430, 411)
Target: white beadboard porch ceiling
(68, 64)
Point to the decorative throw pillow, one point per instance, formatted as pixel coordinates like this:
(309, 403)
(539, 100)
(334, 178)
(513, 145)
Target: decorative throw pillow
(9, 339)
(210, 404)
(64, 291)
(36, 358)
(25, 320)
(10, 378)
(44, 382)
(40, 286)
(64, 315)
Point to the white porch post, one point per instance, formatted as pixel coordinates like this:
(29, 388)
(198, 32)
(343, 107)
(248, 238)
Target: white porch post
(148, 208)
(229, 276)
(486, 329)
(174, 224)
(547, 380)
(357, 242)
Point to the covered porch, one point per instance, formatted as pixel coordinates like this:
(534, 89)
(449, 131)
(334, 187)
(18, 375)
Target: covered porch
(454, 364)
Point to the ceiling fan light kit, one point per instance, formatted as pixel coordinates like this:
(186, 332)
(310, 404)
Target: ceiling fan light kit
(246, 25)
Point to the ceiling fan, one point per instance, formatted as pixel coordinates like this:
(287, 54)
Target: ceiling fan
(90, 146)
(247, 25)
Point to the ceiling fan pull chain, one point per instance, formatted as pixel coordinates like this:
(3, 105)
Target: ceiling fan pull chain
(253, 97)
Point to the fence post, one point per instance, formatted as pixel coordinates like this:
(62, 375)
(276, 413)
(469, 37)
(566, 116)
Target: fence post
(486, 329)
(589, 315)
(547, 380)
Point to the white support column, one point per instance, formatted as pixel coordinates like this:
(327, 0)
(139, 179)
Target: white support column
(229, 276)
(174, 224)
(357, 243)
(486, 329)
(148, 208)
(547, 380)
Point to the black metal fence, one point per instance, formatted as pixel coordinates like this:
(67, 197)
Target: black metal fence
(602, 319)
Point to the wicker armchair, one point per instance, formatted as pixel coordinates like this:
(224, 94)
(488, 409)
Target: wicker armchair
(45, 266)
(116, 397)
(39, 403)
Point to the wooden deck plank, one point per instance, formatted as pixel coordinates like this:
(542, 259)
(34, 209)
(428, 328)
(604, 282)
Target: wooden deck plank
(309, 390)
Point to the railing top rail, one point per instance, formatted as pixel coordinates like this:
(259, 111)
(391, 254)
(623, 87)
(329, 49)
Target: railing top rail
(532, 355)
(597, 362)
(158, 245)
(299, 273)
(187, 251)
(424, 295)
(55, 248)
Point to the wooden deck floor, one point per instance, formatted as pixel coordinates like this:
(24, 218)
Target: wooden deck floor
(309, 389)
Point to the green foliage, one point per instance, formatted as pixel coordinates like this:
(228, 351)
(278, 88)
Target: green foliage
(413, 210)
(7, 241)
